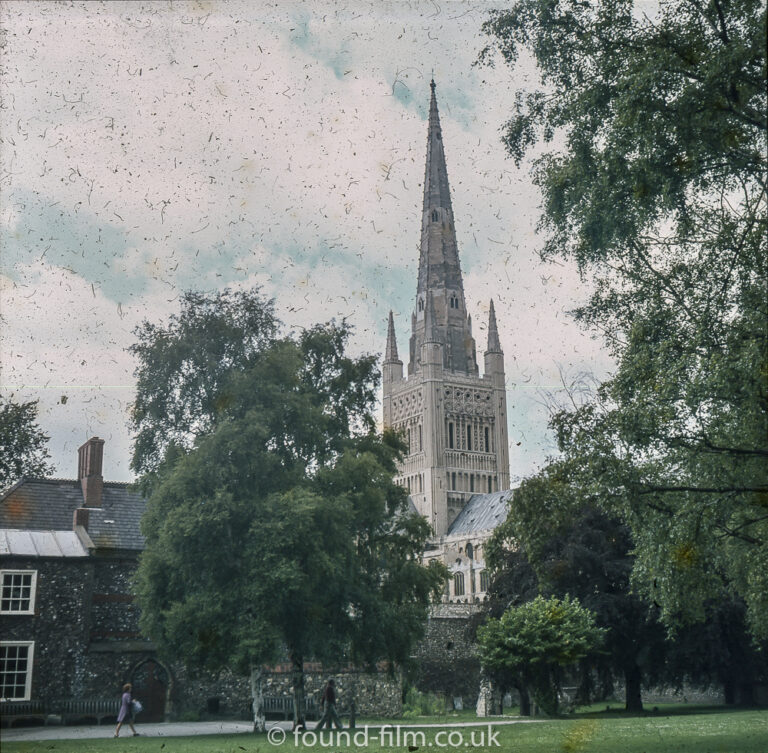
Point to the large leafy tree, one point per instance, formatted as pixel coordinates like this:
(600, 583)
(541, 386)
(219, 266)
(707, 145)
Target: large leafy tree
(184, 365)
(655, 184)
(23, 444)
(535, 641)
(280, 530)
(576, 549)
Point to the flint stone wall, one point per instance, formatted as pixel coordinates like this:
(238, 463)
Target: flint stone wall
(446, 658)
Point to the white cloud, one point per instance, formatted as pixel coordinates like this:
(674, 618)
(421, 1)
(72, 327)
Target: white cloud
(150, 148)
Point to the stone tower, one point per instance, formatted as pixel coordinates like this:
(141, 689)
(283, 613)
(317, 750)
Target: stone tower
(454, 420)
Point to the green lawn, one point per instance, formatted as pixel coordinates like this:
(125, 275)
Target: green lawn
(720, 732)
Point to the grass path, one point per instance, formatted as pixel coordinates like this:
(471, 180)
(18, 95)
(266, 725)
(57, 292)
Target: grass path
(720, 732)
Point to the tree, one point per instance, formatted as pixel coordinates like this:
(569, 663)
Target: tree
(281, 530)
(23, 445)
(577, 549)
(184, 365)
(659, 194)
(535, 640)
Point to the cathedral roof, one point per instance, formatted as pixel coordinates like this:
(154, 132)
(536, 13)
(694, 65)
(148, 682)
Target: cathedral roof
(483, 512)
(49, 505)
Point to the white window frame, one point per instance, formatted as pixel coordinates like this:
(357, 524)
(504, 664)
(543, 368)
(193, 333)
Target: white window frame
(30, 666)
(32, 591)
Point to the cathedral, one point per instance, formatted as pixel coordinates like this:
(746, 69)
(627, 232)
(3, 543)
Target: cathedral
(453, 419)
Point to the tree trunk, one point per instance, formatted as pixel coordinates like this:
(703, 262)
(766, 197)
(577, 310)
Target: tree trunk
(606, 683)
(586, 686)
(525, 701)
(634, 699)
(729, 692)
(299, 717)
(745, 695)
(257, 697)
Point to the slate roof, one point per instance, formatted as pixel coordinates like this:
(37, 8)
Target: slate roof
(49, 505)
(41, 543)
(483, 512)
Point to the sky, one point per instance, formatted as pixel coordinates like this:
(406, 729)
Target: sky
(152, 148)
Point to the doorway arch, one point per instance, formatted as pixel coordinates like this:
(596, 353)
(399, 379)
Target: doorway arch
(152, 685)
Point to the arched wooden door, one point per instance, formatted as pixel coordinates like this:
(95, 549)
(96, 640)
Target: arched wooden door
(150, 687)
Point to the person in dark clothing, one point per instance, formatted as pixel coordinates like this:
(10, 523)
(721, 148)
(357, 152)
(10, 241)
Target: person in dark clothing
(328, 702)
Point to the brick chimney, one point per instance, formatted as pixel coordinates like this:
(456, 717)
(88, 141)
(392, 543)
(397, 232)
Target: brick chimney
(89, 471)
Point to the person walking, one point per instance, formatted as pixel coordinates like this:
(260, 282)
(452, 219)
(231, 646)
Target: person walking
(328, 702)
(126, 711)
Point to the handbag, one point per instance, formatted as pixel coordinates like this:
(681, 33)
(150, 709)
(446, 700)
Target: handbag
(136, 706)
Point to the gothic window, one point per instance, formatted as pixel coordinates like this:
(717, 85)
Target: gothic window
(470, 551)
(485, 581)
(458, 584)
(435, 215)
(469, 437)
(453, 481)
(450, 434)
(409, 442)
(454, 302)
(487, 440)
(18, 591)
(421, 305)
(471, 482)
(419, 437)
(490, 484)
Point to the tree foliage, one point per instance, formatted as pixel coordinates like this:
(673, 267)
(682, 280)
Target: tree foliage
(537, 638)
(183, 367)
(23, 445)
(576, 549)
(656, 186)
(280, 531)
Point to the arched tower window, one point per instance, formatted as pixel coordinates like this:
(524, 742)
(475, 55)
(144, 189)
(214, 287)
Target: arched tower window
(469, 437)
(454, 301)
(435, 216)
(487, 440)
(450, 435)
(421, 305)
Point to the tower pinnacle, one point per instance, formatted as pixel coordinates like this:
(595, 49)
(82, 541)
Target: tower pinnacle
(390, 354)
(494, 344)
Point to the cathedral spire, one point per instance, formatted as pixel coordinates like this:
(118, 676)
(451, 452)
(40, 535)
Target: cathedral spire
(494, 344)
(390, 354)
(439, 257)
(440, 287)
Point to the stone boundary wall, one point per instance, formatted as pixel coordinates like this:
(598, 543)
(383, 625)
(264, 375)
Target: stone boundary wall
(446, 658)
